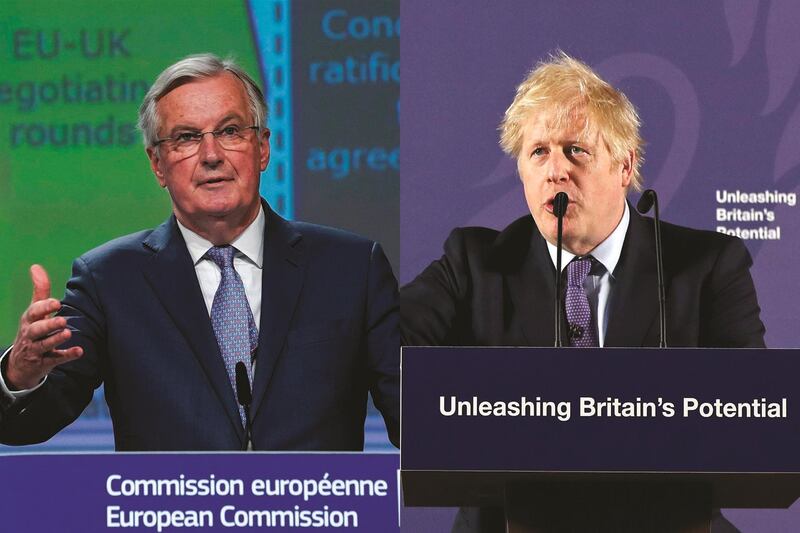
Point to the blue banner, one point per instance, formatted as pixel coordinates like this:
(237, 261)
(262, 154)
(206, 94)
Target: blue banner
(205, 492)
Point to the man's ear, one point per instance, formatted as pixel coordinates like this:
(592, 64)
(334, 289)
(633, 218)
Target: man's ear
(263, 142)
(155, 164)
(627, 167)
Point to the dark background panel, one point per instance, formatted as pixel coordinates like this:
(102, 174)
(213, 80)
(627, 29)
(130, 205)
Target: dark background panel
(345, 61)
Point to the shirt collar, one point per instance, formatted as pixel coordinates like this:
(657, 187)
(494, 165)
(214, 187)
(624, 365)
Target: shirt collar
(606, 253)
(250, 243)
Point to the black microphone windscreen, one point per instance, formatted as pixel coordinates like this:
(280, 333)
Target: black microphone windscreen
(560, 202)
(646, 201)
(242, 385)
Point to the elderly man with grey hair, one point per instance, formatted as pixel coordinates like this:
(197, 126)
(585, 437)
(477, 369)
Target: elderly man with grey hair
(227, 327)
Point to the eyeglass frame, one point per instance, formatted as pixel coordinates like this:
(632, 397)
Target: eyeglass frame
(202, 134)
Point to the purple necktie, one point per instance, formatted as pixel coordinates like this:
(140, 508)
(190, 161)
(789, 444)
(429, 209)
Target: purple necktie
(579, 314)
(232, 318)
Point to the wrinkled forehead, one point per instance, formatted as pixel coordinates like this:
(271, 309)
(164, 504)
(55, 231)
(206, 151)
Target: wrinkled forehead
(561, 123)
(204, 102)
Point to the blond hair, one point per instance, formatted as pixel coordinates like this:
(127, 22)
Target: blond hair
(569, 89)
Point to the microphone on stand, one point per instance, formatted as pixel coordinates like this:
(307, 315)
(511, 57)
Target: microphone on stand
(650, 199)
(560, 202)
(245, 397)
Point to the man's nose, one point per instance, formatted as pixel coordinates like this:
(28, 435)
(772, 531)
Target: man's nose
(210, 151)
(558, 167)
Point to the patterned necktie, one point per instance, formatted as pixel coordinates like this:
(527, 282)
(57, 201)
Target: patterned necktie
(232, 318)
(579, 313)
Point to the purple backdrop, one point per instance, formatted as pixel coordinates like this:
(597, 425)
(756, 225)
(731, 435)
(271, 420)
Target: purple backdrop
(716, 84)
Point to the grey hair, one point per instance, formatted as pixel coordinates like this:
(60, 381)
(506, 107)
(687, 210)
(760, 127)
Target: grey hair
(191, 68)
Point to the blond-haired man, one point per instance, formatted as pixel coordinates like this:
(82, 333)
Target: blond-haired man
(570, 131)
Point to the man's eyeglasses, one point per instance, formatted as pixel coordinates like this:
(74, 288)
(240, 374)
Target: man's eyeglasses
(229, 138)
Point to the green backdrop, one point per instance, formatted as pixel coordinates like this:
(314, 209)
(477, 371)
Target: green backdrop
(73, 172)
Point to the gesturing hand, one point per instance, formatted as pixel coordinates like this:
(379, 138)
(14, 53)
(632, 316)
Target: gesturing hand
(34, 353)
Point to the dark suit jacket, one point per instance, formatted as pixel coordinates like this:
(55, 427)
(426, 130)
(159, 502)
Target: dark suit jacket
(497, 289)
(328, 334)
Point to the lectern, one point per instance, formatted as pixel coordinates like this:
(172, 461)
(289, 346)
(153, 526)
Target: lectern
(601, 439)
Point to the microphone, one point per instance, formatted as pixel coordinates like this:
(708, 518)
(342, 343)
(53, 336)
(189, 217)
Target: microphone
(244, 396)
(650, 199)
(560, 202)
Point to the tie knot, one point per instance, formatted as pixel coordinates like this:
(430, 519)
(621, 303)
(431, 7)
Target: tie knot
(577, 271)
(222, 256)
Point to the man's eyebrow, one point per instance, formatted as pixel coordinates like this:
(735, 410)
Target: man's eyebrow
(229, 117)
(180, 127)
(223, 120)
(563, 141)
(579, 139)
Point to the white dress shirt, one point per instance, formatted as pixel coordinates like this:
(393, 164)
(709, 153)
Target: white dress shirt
(599, 284)
(248, 262)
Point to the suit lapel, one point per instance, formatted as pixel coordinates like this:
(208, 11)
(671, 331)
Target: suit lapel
(634, 307)
(172, 276)
(281, 283)
(521, 253)
(533, 292)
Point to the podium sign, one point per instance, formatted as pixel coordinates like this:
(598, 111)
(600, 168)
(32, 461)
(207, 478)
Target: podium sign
(202, 491)
(477, 419)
